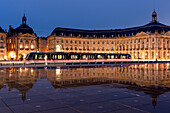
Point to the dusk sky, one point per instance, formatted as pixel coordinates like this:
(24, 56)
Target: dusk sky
(45, 15)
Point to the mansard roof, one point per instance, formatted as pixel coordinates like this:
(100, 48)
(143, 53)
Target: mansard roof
(151, 27)
(1, 30)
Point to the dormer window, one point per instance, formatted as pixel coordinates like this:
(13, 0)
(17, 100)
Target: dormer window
(21, 41)
(2, 38)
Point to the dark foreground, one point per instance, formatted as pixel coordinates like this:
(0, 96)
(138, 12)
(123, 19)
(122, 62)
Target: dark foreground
(130, 89)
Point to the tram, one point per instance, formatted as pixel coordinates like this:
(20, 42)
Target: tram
(75, 56)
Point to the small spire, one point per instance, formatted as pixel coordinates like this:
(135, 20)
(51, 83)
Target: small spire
(24, 20)
(154, 16)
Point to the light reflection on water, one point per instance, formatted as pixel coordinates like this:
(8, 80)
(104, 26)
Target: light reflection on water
(156, 75)
(152, 79)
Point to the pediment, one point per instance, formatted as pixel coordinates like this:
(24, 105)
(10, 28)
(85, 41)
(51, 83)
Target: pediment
(141, 34)
(27, 35)
(167, 33)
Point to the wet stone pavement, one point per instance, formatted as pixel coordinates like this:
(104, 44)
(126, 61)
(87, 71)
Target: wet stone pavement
(56, 90)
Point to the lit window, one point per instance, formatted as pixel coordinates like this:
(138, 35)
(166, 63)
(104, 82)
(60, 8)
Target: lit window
(32, 46)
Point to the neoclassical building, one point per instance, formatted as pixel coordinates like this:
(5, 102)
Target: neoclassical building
(21, 41)
(151, 41)
(3, 50)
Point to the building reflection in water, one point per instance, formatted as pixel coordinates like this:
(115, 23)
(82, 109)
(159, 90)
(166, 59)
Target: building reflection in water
(152, 79)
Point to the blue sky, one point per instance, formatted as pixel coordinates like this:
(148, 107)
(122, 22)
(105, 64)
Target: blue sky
(45, 15)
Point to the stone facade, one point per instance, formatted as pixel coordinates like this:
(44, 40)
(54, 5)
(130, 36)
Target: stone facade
(3, 50)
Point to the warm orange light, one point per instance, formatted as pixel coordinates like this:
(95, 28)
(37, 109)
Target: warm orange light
(58, 48)
(12, 55)
(26, 46)
(58, 71)
(32, 46)
(21, 46)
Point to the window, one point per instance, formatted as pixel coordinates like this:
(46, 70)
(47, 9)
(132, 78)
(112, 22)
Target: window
(84, 42)
(66, 41)
(103, 48)
(112, 42)
(71, 48)
(75, 42)
(10, 41)
(112, 48)
(32, 41)
(2, 38)
(98, 42)
(107, 47)
(147, 39)
(71, 41)
(87, 42)
(153, 39)
(93, 42)
(107, 42)
(152, 55)
(147, 46)
(167, 44)
(1, 45)
(102, 42)
(67, 48)
(21, 41)
(61, 41)
(79, 42)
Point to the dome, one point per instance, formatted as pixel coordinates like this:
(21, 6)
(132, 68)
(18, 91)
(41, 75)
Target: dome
(24, 29)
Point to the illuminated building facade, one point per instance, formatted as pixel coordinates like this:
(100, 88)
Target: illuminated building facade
(21, 41)
(151, 41)
(3, 50)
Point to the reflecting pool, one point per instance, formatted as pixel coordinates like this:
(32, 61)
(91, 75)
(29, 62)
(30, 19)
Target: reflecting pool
(127, 88)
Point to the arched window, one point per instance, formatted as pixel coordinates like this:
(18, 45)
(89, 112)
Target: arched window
(21, 41)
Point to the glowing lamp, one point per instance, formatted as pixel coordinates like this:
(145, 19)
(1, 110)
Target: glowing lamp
(58, 48)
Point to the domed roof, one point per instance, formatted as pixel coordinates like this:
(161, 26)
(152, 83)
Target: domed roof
(24, 29)
(1, 30)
